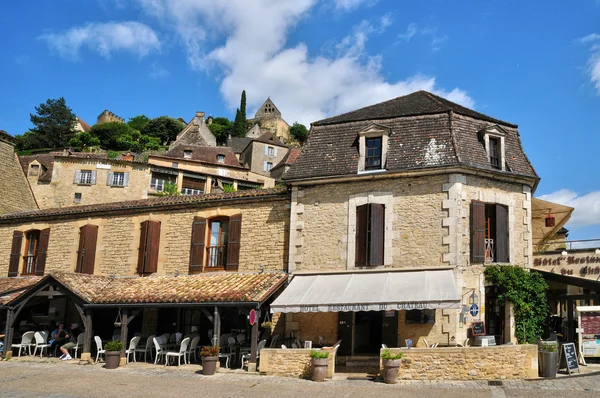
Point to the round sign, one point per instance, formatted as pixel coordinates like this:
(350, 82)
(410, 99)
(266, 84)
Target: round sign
(474, 310)
(252, 317)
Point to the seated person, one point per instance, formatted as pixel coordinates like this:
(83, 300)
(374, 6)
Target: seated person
(58, 337)
(72, 336)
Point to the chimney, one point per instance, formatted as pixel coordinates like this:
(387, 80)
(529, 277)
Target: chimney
(199, 118)
(128, 157)
(210, 120)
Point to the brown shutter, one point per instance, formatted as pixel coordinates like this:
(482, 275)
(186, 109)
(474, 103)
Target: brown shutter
(362, 215)
(502, 252)
(198, 247)
(40, 261)
(15, 253)
(86, 256)
(477, 232)
(153, 242)
(233, 244)
(377, 231)
(143, 246)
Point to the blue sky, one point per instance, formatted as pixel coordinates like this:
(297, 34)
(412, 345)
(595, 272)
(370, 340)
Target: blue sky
(536, 64)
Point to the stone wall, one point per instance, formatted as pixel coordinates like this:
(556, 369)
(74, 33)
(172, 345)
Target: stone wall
(290, 363)
(264, 238)
(471, 363)
(254, 157)
(309, 326)
(16, 194)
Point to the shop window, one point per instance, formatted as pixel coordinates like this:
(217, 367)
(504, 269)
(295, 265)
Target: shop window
(370, 230)
(215, 243)
(85, 177)
(420, 317)
(489, 233)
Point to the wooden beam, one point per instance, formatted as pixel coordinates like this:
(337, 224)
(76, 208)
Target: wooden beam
(124, 323)
(8, 332)
(254, 339)
(208, 315)
(87, 325)
(81, 313)
(18, 309)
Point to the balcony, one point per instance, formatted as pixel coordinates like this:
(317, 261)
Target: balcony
(217, 257)
(29, 265)
(489, 250)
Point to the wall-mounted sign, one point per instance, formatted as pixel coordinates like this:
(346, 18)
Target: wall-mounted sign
(566, 260)
(252, 317)
(474, 310)
(103, 166)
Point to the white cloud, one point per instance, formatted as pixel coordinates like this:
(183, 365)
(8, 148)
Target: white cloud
(411, 31)
(348, 5)
(593, 66)
(587, 207)
(157, 71)
(252, 54)
(104, 38)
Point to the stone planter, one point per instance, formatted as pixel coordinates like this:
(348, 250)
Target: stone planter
(548, 362)
(319, 369)
(209, 365)
(113, 358)
(391, 368)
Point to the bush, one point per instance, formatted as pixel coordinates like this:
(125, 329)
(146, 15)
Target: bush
(548, 347)
(114, 345)
(210, 351)
(387, 354)
(319, 354)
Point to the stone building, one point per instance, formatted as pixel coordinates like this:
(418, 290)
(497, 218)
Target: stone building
(268, 118)
(107, 116)
(196, 132)
(16, 194)
(279, 171)
(396, 209)
(263, 153)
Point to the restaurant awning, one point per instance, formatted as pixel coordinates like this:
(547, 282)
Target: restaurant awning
(369, 291)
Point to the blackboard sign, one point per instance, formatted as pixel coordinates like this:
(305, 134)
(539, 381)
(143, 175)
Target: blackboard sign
(570, 356)
(478, 329)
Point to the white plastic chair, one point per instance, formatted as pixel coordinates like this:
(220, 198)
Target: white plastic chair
(147, 349)
(40, 342)
(159, 350)
(274, 341)
(384, 346)
(78, 344)
(426, 343)
(248, 355)
(192, 349)
(131, 350)
(434, 345)
(26, 342)
(284, 347)
(99, 350)
(178, 354)
(337, 346)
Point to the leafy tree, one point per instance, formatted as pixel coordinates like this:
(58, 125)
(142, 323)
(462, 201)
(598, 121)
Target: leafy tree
(138, 122)
(54, 124)
(299, 132)
(29, 140)
(84, 140)
(113, 135)
(240, 124)
(170, 189)
(164, 128)
(140, 143)
(221, 127)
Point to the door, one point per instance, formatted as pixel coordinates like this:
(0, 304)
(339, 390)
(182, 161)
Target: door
(367, 332)
(345, 321)
(389, 334)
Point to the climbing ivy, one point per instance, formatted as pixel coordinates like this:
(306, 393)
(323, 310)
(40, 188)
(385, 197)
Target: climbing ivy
(527, 292)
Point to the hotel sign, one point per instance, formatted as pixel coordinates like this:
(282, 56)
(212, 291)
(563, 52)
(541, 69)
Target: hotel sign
(372, 307)
(581, 264)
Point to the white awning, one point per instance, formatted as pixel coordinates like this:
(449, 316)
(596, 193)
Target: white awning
(374, 291)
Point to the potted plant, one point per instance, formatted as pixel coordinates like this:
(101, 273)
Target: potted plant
(210, 357)
(548, 358)
(391, 365)
(320, 361)
(113, 354)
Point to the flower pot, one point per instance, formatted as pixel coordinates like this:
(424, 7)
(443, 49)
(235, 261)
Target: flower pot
(209, 365)
(391, 367)
(113, 358)
(319, 369)
(548, 362)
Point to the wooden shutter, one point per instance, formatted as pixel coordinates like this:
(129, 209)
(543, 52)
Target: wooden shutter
(143, 246)
(109, 178)
(477, 232)
(502, 252)
(233, 244)
(376, 235)
(94, 173)
(152, 245)
(15, 253)
(198, 247)
(77, 178)
(86, 256)
(125, 179)
(40, 261)
(362, 216)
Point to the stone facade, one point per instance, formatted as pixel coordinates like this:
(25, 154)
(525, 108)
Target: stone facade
(472, 363)
(268, 118)
(257, 154)
(107, 116)
(264, 238)
(290, 363)
(16, 194)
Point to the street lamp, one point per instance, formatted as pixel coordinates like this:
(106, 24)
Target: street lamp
(474, 298)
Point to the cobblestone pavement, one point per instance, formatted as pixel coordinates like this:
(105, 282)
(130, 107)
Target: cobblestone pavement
(52, 378)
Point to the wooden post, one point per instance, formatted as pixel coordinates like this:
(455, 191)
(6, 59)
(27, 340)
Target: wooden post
(124, 331)
(8, 334)
(216, 327)
(254, 343)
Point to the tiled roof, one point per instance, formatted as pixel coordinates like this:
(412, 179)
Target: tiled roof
(436, 139)
(271, 139)
(11, 288)
(204, 154)
(238, 144)
(289, 158)
(45, 159)
(84, 125)
(417, 103)
(4, 136)
(162, 202)
(213, 287)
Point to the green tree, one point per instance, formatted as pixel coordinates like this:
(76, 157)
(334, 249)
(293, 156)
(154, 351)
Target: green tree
(170, 189)
(113, 135)
(54, 124)
(84, 140)
(299, 132)
(221, 127)
(240, 124)
(29, 140)
(164, 128)
(138, 122)
(140, 143)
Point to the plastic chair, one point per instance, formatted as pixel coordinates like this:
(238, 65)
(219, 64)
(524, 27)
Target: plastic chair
(40, 342)
(99, 350)
(192, 349)
(284, 347)
(131, 350)
(466, 343)
(274, 341)
(181, 353)
(434, 345)
(147, 349)
(248, 355)
(26, 342)
(426, 343)
(159, 350)
(384, 346)
(79, 343)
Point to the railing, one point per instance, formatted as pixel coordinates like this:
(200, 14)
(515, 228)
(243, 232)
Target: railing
(29, 264)
(582, 244)
(217, 256)
(489, 250)
(372, 162)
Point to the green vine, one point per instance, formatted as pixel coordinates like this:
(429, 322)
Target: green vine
(527, 292)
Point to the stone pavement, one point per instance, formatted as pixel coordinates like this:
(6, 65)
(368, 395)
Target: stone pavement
(52, 378)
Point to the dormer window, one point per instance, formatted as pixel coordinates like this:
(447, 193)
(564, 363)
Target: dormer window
(493, 140)
(34, 170)
(372, 148)
(187, 154)
(373, 159)
(221, 158)
(494, 145)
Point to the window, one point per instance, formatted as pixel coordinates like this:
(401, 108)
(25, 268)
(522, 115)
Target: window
(215, 243)
(494, 150)
(34, 170)
(159, 180)
(34, 254)
(493, 138)
(118, 179)
(31, 247)
(77, 197)
(85, 177)
(420, 317)
(86, 253)
(270, 151)
(489, 233)
(192, 186)
(174, 165)
(148, 248)
(267, 166)
(187, 154)
(221, 158)
(373, 158)
(370, 230)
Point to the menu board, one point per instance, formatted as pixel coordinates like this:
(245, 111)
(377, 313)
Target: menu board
(478, 328)
(590, 322)
(570, 355)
